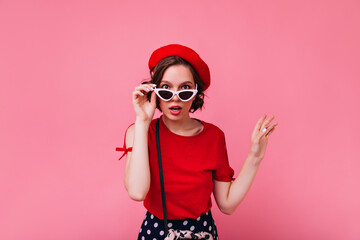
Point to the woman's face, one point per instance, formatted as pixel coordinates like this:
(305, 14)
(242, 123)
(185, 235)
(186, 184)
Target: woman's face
(176, 78)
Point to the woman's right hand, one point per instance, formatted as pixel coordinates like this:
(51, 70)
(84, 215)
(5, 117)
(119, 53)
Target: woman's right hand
(144, 109)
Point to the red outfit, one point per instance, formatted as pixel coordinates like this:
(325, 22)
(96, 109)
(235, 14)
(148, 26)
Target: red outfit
(190, 163)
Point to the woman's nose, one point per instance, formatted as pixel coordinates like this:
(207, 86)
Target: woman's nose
(175, 98)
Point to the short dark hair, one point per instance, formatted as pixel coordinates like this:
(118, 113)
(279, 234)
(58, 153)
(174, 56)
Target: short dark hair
(158, 74)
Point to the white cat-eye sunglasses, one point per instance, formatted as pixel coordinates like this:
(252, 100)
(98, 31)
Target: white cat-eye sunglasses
(167, 94)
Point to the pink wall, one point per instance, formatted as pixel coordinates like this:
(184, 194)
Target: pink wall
(68, 69)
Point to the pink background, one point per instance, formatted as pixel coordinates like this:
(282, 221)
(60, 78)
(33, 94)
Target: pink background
(68, 69)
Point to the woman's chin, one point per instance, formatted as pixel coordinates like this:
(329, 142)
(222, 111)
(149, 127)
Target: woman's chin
(174, 117)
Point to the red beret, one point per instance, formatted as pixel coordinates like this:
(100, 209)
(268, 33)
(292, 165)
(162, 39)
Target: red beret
(186, 53)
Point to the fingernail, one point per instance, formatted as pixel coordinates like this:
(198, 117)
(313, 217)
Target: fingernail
(147, 89)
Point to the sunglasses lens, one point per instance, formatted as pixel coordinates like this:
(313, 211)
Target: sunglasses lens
(185, 95)
(165, 94)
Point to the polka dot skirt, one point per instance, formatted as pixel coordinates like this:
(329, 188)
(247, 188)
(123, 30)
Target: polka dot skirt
(152, 228)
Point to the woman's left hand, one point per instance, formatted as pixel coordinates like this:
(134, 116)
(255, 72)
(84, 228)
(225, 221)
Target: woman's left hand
(259, 138)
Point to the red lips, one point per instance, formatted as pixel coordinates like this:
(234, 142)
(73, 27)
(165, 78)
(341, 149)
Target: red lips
(175, 109)
(175, 106)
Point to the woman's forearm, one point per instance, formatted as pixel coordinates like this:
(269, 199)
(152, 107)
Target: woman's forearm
(137, 174)
(241, 185)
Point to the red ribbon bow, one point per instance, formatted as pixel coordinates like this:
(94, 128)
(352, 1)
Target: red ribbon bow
(126, 150)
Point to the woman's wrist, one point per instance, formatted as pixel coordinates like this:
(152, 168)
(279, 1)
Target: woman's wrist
(255, 161)
(142, 123)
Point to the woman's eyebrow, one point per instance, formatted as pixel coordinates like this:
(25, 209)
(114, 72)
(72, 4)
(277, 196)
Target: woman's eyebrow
(187, 82)
(167, 82)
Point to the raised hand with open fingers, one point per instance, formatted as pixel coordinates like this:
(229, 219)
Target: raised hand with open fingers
(260, 137)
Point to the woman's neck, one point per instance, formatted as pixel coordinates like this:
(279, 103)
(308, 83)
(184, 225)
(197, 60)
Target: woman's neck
(178, 126)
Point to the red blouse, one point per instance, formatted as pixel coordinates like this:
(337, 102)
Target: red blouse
(190, 163)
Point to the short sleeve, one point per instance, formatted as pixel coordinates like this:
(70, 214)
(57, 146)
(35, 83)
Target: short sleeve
(223, 171)
(124, 149)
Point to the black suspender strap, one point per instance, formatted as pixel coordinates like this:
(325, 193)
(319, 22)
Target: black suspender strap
(161, 176)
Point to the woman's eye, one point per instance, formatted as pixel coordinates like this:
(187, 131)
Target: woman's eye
(186, 87)
(165, 86)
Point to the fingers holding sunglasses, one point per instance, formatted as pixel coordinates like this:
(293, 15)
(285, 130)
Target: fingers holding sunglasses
(137, 93)
(140, 93)
(145, 88)
(144, 103)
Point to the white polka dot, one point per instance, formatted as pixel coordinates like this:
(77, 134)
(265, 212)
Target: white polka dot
(152, 216)
(154, 239)
(185, 222)
(142, 238)
(209, 228)
(198, 219)
(205, 223)
(148, 231)
(145, 223)
(140, 229)
(192, 228)
(169, 224)
(207, 213)
(156, 224)
(162, 232)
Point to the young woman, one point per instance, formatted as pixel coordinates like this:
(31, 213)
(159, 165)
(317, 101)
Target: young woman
(194, 155)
